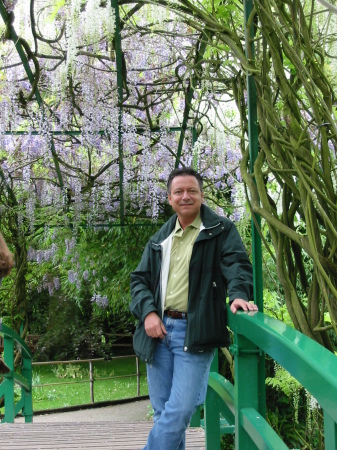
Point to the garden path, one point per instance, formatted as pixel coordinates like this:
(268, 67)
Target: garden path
(119, 427)
(126, 412)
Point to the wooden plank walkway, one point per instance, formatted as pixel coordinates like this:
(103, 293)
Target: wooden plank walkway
(85, 435)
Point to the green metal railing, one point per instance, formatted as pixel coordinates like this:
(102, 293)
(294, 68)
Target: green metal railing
(22, 377)
(235, 408)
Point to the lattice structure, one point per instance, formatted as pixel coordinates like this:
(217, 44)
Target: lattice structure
(117, 94)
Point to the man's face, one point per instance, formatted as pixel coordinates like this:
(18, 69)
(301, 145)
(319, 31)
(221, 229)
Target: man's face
(186, 197)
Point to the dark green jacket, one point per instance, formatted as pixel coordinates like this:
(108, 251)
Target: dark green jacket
(219, 267)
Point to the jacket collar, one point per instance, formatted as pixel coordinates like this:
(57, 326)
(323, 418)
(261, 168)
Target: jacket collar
(208, 217)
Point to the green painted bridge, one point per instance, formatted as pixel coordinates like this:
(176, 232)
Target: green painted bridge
(238, 408)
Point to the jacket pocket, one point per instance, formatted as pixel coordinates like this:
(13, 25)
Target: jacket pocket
(214, 327)
(207, 327)
(143, 345)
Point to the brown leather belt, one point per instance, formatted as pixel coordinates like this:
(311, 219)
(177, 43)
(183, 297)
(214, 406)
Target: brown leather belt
(175, 314)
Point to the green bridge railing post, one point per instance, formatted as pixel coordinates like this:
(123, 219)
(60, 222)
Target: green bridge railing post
(212, 421)
(212, 412)
(330, 432)
(9, 379)
(27, 373)
(246, 386)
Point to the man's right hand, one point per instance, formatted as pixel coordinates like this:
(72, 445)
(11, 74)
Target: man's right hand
(154, 327)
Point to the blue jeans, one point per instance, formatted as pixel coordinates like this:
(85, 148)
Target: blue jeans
(177, 383)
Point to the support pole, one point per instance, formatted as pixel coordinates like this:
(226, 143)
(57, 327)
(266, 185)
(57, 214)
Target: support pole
(91, 377)
(254, 150)
(9, 379)
(246, 387)
(119, 68)
(138, 376)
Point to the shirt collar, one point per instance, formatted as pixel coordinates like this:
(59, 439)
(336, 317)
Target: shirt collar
(195, 224)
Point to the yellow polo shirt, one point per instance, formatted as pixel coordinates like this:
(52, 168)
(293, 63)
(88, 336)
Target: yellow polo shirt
(181, 251)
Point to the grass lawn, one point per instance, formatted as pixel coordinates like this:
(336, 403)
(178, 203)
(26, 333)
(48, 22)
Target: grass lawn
(78, 392)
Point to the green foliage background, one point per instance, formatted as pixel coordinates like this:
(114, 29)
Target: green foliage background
(72, 324)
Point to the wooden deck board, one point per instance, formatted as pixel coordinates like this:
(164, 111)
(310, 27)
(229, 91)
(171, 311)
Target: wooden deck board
(85, 435)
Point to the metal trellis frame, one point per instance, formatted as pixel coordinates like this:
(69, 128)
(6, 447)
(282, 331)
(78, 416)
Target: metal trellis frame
(119, 67)
(254, 150)
(25, 55)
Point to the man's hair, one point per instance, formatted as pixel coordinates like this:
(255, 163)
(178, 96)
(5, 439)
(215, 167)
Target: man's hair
(6, 258)
(184, 171)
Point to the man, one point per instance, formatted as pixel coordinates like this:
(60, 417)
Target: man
(179, 292)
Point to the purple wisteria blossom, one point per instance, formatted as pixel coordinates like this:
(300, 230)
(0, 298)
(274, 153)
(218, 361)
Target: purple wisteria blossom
(86, 274)
(57, 284)
(101, 301)
(72, 276)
